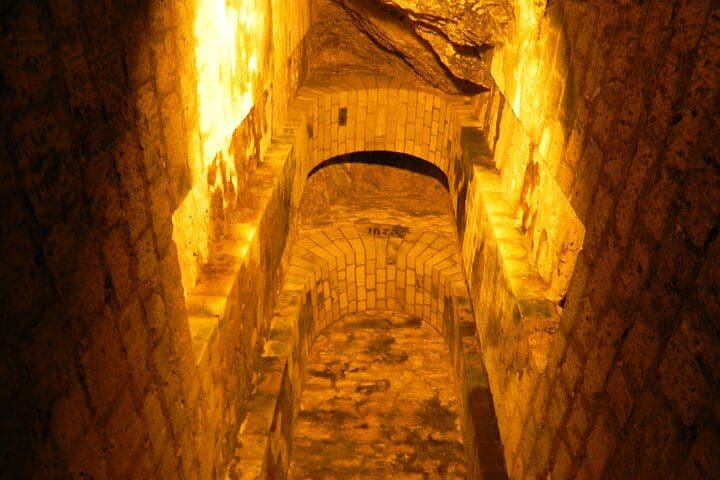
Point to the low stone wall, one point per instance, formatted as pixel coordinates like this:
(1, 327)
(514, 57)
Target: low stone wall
(516, 323)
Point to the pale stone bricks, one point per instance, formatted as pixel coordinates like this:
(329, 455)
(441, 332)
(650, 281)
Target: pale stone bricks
(382, 117)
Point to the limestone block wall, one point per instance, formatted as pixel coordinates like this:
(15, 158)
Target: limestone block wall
(516, 321)
(541, 207)
(617, 100)
(95, 347)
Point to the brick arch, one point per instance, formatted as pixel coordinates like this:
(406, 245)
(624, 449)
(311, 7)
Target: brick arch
(370, 113)
(356, 268)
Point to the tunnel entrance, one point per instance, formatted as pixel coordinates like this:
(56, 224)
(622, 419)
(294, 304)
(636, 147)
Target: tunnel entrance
(378, 402)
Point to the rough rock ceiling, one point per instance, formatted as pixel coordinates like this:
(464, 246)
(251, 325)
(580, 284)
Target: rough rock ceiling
(447, 43)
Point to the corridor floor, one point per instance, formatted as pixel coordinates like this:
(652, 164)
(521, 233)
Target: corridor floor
(379, 402)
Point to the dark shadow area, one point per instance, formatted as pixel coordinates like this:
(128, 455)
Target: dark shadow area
(391, 159)
(76, 199)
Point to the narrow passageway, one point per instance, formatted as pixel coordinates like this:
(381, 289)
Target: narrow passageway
(379, 401)
(198, 194)
(379, 397)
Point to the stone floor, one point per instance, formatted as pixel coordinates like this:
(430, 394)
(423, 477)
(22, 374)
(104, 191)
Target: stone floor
(379, 402)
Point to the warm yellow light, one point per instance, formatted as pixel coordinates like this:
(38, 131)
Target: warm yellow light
(227, 62)
(230, 45)
(253, 63)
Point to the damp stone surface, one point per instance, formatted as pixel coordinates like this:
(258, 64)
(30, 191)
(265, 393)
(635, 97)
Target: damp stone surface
(379, 401)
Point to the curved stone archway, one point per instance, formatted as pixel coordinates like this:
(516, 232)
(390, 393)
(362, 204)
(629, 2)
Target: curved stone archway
(357, 268)
(369, 114)
(365, 267)
(373, 113)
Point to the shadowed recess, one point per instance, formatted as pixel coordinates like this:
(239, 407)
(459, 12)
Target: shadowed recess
(391, 159)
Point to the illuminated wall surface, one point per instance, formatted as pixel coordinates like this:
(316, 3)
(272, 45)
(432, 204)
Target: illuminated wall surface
(530, 71)
(231, 48)
(232, 51)
(244, 77)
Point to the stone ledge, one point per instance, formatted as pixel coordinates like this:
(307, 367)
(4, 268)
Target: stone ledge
(208, 302)
(527, 288)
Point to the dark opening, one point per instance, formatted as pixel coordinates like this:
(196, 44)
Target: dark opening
(391, 159)
(342, 116)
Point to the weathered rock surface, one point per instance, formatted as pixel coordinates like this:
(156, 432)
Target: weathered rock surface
(337, 47)
(448, 44)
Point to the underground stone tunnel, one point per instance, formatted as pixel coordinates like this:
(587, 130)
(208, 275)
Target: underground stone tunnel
(316, 239)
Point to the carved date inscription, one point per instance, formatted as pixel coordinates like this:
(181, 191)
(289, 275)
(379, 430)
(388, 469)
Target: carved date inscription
(398, 231)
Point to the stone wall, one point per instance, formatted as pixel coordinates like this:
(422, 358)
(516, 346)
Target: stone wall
(516, 321)
(238, 72)
(619, 102)
(100, 148)
(95, 349)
